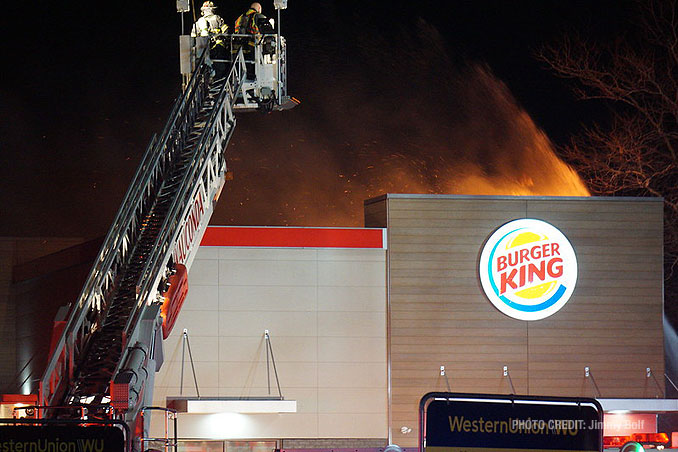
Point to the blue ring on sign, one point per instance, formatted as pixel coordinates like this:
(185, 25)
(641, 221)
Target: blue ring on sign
(512, 304)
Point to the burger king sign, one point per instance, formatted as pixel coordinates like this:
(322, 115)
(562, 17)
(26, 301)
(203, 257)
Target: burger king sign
(528, 269)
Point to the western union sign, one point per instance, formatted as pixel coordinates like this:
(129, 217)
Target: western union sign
(453, 422)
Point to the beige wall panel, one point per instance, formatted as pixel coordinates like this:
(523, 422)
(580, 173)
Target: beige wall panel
(252, 348)
(279, 323)
(189, 391)
(267, 273)
(242, 374)
(349, 425)
(307, 398)
(343, 273)
(202, 298)
(248, 348)
(204, 272)
(296, 374)
(295, 349)
(210, 253)
(332, 375)
(206, 372)
(267, 298)
(264, 254)
(351, 255)
(351, 349)
(348, 298)
(198, 323)
(203, 348)
(355, 324)
(347, 400)
(325, 310)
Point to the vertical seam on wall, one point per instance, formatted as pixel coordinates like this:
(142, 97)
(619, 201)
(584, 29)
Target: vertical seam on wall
(218, 322)
(527, 334)
(388, 326)
(317, 344)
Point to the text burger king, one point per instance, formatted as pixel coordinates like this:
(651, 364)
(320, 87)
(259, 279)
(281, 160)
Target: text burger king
(528, 269)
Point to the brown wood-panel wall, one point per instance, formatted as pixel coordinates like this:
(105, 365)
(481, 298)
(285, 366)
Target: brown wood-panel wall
(438, 314)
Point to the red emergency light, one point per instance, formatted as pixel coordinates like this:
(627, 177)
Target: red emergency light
(642, 438)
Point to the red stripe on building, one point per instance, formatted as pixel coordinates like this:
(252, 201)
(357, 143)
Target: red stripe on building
(293, 237)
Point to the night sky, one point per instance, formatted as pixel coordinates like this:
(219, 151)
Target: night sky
(382, 84)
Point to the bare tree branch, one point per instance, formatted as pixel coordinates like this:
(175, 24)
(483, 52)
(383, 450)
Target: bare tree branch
(636, 153)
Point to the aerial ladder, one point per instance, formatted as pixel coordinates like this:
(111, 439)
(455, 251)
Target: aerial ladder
(104, 361)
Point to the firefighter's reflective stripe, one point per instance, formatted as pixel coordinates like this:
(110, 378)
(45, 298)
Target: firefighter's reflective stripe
(247, 22)
(207, 25)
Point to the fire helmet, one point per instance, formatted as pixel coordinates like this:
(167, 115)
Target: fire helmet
(208, 8)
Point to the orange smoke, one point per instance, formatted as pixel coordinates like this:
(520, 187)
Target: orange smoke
(449, 132)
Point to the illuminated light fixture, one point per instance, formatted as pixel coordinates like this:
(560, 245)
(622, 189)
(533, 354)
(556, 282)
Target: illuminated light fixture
(625, 406)
(208, 405)
(650, 437)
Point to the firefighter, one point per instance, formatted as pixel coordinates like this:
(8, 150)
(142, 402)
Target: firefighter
(252, 21)
(212, 25)
(209, 22)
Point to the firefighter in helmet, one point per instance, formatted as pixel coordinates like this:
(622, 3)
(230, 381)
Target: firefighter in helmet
(209, 23)
(212, 25)
(252, 21)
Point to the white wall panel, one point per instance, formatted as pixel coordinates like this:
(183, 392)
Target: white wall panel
(266, 254)
(352, 324)
(347, 273)
(343, 425)
(325, 310)
(351, 298)
(202, 298)
(352, 375)
(268, 298)
(204, 272)
(351, 349)
(351, 400)
(279, 323)
(267, 273)
(198, 323)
